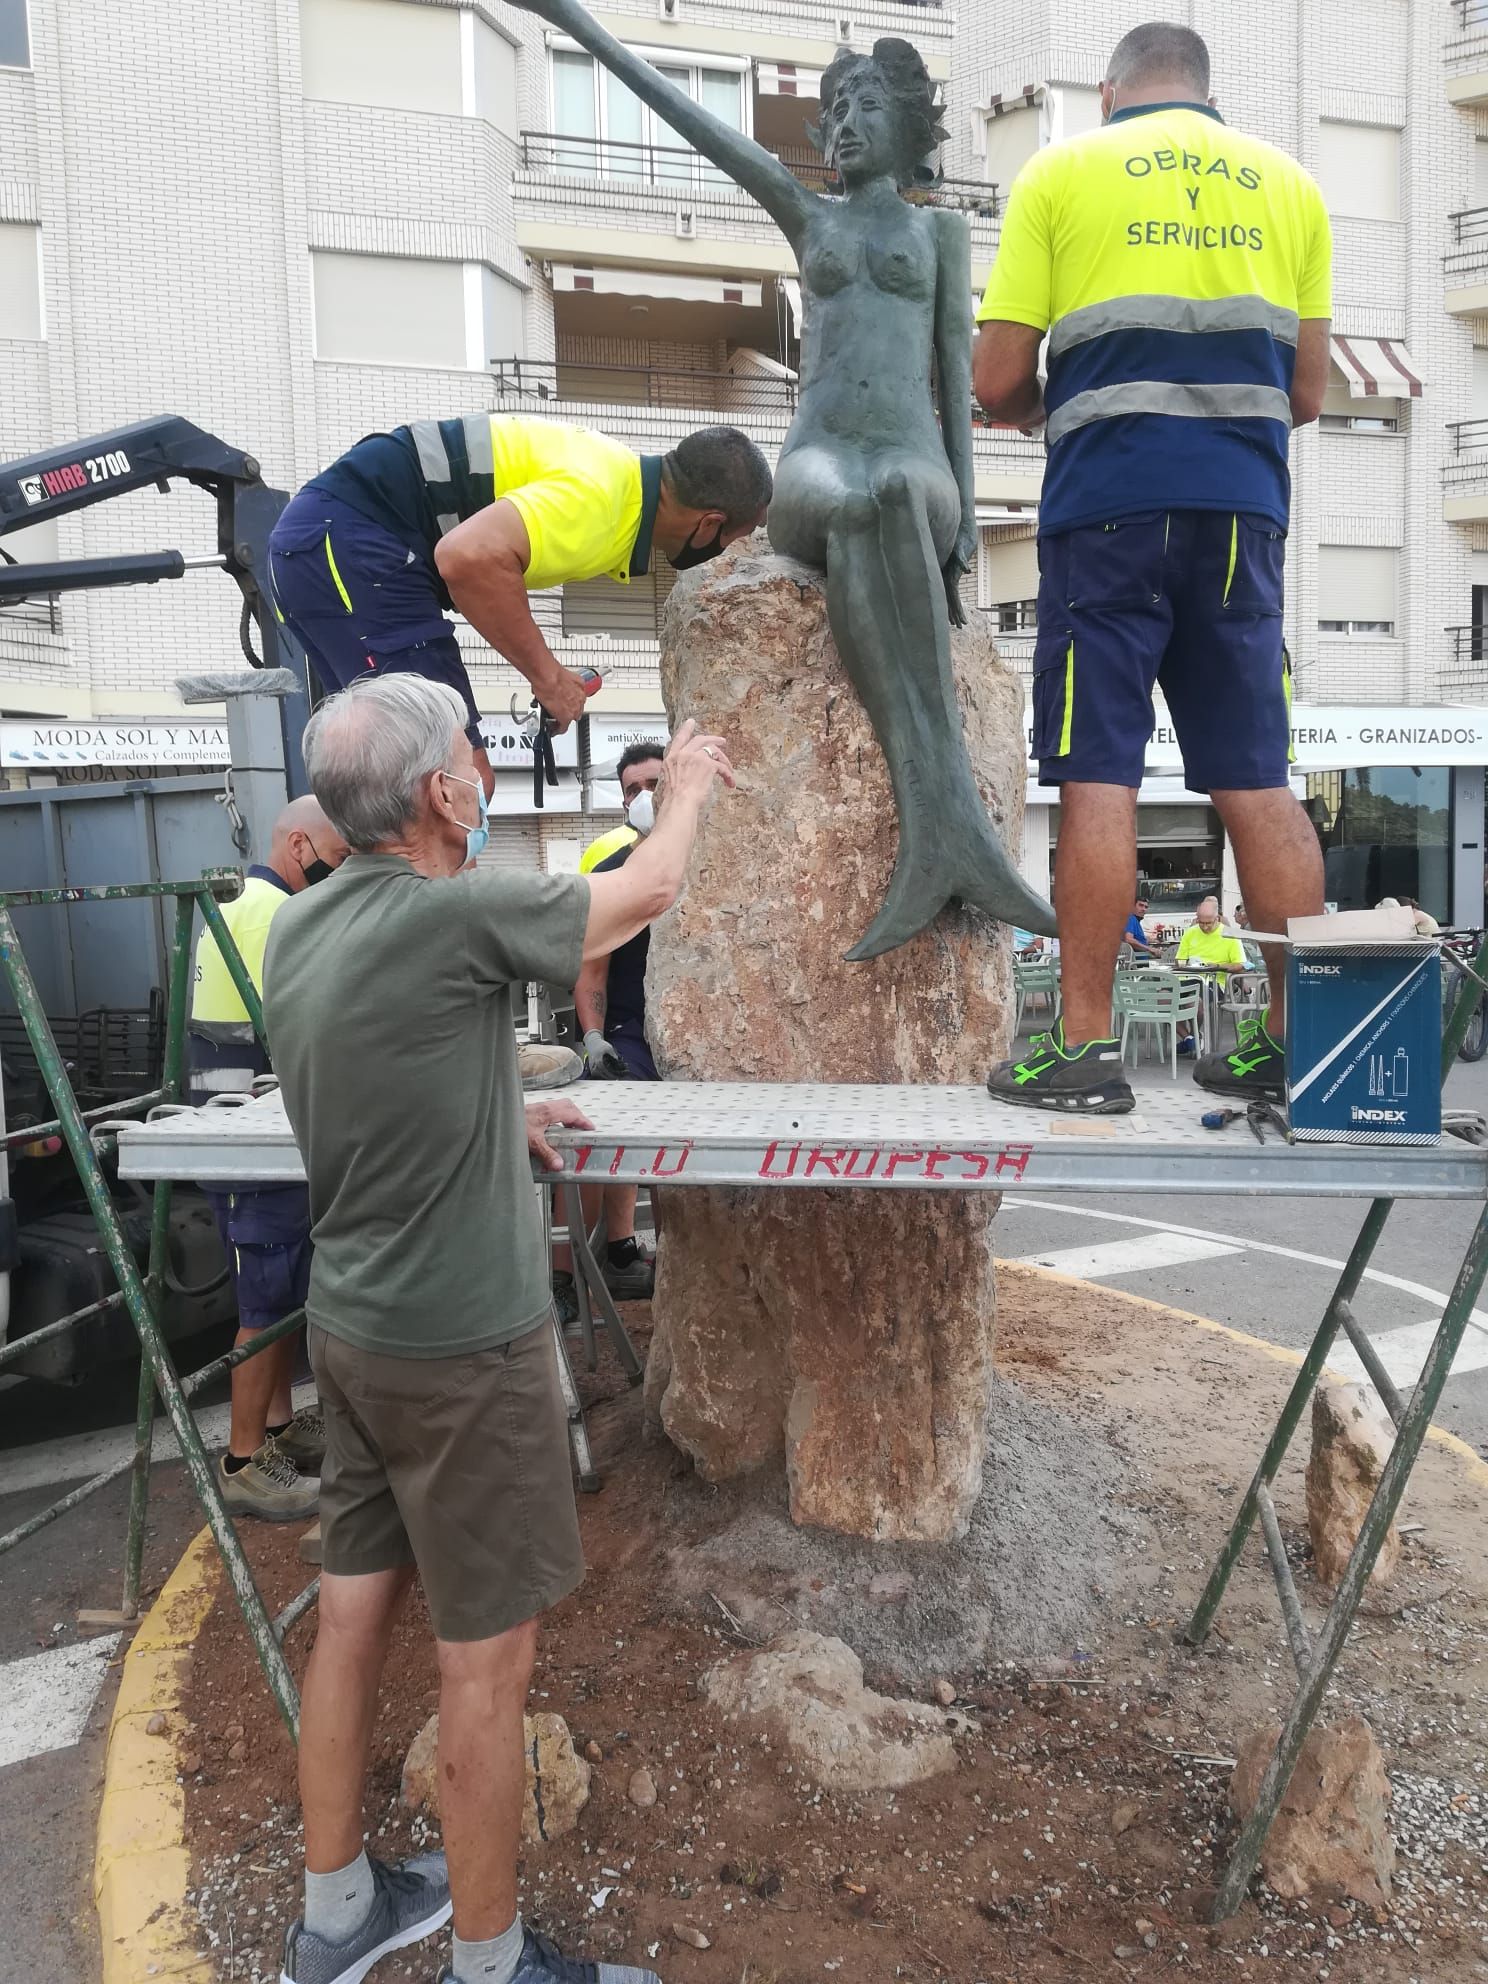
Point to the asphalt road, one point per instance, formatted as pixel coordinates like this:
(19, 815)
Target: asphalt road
(1262, 1265)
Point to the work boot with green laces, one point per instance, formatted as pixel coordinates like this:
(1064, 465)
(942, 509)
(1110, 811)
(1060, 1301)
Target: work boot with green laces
(1086, 1079)
(1255, 1066)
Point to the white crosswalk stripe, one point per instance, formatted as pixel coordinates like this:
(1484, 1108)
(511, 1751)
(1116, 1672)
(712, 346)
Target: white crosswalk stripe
(1135, 1256)
(1403, 1352)
(49, 1696)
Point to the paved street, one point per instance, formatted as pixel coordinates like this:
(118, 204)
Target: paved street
(1263, 1265)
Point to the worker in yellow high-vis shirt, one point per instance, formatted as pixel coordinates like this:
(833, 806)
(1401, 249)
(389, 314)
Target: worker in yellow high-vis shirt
(474, 513)
(272, 1450)
(1182, 273)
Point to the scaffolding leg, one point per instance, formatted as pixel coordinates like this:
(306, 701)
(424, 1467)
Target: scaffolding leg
(121, 1260)
(1297, 1402)
(144, 1422)
(1329, 1644)
(587, 1276)
(578, 1432)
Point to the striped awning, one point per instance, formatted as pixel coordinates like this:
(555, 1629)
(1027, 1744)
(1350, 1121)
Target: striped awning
(1006, 513)
(787, 79)
(1376, 368)
(670, 283)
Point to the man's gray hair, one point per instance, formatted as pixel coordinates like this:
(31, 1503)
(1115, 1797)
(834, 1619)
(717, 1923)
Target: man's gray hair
(369, 749)
(1159, 51)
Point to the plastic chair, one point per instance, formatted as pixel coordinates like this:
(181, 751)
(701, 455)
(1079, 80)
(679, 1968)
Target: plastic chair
(1246, 994)
(1155, 1001)
(1035, 979)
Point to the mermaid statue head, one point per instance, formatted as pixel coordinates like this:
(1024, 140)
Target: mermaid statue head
(880, 114)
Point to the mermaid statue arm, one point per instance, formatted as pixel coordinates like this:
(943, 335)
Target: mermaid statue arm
(953, 369)
(759, 172)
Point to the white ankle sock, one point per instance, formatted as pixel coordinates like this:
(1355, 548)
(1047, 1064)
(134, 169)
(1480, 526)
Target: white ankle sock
(336, 1905)
(491, 1962)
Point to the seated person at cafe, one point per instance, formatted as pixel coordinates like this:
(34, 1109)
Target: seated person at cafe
(1207, 944)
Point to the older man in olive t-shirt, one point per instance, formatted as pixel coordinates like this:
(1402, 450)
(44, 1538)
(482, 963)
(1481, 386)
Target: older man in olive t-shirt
(385, 995)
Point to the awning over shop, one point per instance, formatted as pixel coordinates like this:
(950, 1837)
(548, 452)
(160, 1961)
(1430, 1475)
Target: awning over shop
(1376, 368)
(670, 283)
(792, 287)
(1007, 513)
(787, 79)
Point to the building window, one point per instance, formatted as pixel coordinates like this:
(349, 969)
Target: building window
(495, 62)
(1008, 582)
(20, 281)
(1359, 170)
(1012, 139)
(502, 330)
(1357, 590)
(1016, 616)
(1357, 423)
(15, 35)
(400, 56)
(390, 310)
(608, 609)
(1385, 831)
(610, 132)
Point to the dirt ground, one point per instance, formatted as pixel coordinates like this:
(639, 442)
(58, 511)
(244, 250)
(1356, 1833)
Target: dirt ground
(1085, 1825)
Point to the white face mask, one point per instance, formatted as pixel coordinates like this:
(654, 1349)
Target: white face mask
(641, 812)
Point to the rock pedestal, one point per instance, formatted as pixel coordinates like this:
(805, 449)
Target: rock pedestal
(847, 1333)
(1332, 1833)
(557, 1787)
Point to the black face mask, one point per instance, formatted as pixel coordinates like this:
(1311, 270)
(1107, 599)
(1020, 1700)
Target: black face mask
(696, 554)
(316, 870)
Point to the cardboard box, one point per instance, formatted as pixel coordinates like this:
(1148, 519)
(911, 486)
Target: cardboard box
(1364, 1030)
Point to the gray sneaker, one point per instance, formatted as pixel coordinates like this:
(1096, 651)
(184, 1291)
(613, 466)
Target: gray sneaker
(412, 1901)
(543, 1963)
(270, 1487)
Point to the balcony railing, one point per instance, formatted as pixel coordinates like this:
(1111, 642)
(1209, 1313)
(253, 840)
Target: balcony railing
(573, 382)
(1470, 14)
(1468, 436)
(679, 168)
(640, 385)
(1472, 223)
(1468, 645)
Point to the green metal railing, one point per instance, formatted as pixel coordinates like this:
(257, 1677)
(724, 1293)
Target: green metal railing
(141, 1295)
(1315, 1659)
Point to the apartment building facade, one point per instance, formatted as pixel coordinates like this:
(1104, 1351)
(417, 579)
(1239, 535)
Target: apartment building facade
(296, 221)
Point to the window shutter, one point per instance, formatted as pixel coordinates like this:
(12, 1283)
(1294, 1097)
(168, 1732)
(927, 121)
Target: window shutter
(1359, 169)
(1356, 582)
(389, 310)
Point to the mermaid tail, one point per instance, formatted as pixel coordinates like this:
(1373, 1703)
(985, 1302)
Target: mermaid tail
(886, 603)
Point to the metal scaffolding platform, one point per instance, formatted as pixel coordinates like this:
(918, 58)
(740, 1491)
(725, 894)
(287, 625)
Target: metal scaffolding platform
(753, 1137)
(889, 1138)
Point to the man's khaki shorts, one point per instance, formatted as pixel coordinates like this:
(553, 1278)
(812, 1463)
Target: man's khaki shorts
(457, 1464)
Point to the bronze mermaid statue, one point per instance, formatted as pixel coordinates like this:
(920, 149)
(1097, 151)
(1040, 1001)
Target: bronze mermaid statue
(871, 487)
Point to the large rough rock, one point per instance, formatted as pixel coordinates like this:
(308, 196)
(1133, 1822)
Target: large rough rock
(1352, 1435)
(1331, 1834)
(847, 1333)
(557, 1777)
(809, 1693)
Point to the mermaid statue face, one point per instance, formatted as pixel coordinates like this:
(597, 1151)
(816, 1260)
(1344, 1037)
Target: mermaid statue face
(863, 130)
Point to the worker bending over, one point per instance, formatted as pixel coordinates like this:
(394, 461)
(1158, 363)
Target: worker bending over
(471, 515)
(272, 1450)
(1182, 273)
(429, 1304)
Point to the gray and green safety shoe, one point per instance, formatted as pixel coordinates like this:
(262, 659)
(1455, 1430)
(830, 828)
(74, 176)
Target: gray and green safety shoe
(410, 1902)
(270, 1487)
(1084, 1080)
(543, 1962)
(1254, 1066)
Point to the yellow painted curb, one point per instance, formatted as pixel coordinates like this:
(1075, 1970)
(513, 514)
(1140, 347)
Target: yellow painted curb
(1475, 1466)
(141, 1865)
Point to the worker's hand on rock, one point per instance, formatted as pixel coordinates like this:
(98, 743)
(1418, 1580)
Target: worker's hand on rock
(562, 696)
(542, 1115)
(605, 1065)
(692, 768)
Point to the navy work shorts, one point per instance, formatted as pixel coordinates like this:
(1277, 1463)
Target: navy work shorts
(1188, 600)
(360, 596)
(266, 1232)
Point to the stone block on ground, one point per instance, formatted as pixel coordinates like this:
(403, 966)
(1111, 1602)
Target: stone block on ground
(1351, 1439)
(846, 1335)
(1331, 1834)
(557, 1777)
(808, 1692)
